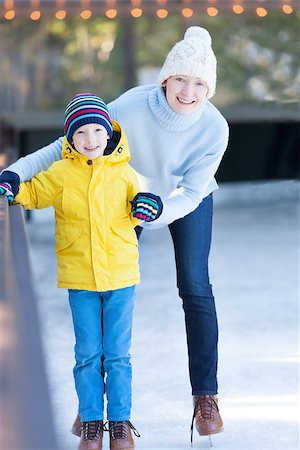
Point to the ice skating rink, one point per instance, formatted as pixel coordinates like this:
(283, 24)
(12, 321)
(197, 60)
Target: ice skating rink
(254, 268)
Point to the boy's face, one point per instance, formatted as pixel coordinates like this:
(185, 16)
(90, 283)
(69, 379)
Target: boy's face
(91, 140)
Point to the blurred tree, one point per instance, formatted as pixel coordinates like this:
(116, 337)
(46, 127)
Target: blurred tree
(44, 63)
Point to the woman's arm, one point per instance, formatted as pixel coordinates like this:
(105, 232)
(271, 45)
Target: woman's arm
(191, 190)
(28, 166)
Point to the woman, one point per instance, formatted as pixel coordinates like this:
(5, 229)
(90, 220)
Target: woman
(177, 139)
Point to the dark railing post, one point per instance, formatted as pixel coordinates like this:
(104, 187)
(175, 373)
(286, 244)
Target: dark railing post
(25, 412)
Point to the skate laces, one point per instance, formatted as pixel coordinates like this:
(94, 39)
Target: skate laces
(205, 409)
(92, 430)
(118, 430)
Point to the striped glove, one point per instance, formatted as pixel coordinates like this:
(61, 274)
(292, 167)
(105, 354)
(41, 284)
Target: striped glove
(146, 206)
(5, 189)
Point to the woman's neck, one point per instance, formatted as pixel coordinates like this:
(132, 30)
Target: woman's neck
(166, 116)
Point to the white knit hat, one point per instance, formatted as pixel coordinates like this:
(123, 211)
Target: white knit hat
(194, 57)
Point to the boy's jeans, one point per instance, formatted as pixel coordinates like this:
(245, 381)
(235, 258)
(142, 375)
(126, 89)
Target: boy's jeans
(102, 324)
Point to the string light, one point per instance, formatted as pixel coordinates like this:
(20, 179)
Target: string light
(212, 11)
(35, 15)
(238, 9)
(86, 14)
(35, 10)
(187, 12)
(136, 12)
(61, 14)
(261, 12)
(287, 9)
(9, 7)
(111, 13)
(10, 14)
(162, 13)
(136, 9)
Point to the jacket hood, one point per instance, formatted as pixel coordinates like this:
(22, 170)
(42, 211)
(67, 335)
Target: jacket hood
(117, 149)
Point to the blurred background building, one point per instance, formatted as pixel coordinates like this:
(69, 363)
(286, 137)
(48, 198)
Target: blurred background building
(51, 50)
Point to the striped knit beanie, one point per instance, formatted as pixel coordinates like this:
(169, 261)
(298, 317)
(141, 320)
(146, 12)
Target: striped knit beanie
(84, 109)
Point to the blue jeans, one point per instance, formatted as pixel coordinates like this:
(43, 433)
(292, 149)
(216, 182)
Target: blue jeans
(191, 237)
(102, 325)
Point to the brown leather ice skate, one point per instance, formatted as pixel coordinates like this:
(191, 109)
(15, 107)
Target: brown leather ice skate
(120, 436)
(76, 427)
(206, 415)
(91, 435)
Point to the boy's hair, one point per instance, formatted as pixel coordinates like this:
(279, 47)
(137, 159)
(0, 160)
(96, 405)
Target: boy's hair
(84, 109)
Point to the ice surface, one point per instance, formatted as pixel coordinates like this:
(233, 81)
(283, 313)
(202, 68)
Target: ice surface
(254, 268)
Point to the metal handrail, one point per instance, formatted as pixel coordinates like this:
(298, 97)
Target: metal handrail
(25, 411)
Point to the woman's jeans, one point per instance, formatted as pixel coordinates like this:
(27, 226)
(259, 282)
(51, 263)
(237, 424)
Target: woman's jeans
(192, 238)
(102, 324)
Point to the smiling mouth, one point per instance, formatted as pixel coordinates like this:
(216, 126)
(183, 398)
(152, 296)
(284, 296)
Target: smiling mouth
(185, 102)
(91, 149)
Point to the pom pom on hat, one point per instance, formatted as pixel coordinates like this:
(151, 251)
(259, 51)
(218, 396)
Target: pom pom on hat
(198, 33)
(84, 109)
(193, 56)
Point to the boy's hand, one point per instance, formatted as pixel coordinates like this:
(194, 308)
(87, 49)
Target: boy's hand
(12, 179)
(5, 189)
(146, 206)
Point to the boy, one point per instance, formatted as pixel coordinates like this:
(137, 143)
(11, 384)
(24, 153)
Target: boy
(92, 190)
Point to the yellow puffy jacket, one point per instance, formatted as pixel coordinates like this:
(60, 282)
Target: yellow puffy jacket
(96, 245)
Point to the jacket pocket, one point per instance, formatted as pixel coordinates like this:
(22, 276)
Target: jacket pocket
(126, 231)
(66, 235)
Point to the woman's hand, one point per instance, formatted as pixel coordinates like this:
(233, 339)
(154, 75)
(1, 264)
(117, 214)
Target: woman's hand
(146, 206)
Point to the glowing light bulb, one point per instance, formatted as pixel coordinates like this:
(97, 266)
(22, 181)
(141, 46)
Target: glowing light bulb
(136, 12)
(86, 14)
(10, 14)
(162, 13)
(35, 15)
(238, 9)
(212, 11)
(261, 12)
(287, 9)
(111, 13)
(61, 14)
(187, 12)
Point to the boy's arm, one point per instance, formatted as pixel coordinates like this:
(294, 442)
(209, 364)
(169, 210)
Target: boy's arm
(40, 192)
(30, 165)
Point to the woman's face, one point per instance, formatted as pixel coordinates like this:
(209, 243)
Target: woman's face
(185, 94)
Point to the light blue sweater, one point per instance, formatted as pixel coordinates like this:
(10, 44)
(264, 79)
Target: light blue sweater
(175, 156)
